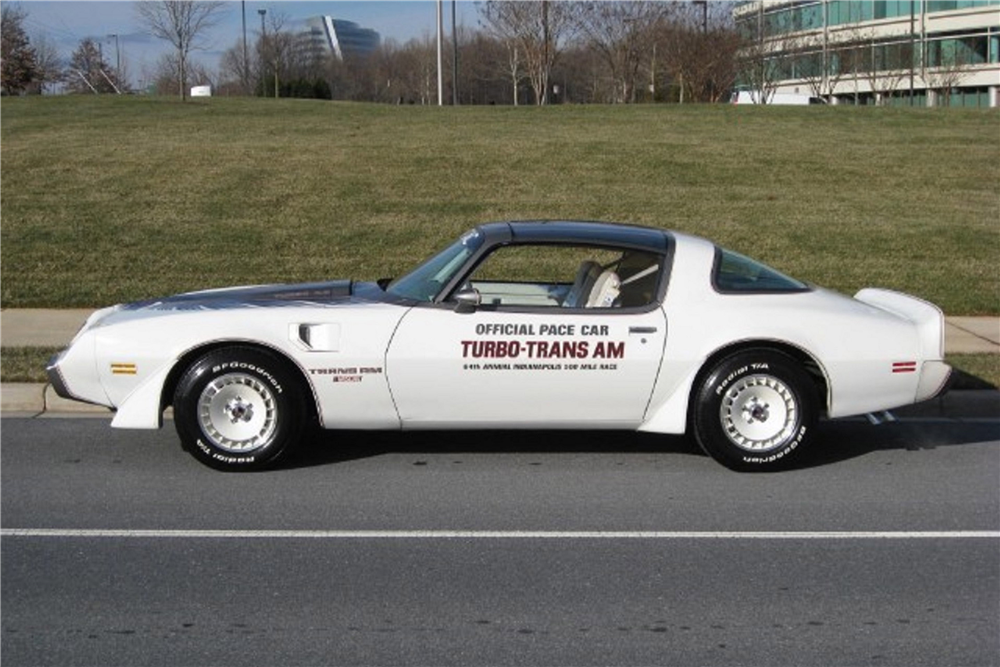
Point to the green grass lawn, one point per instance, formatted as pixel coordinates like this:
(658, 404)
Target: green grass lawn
(110, 199)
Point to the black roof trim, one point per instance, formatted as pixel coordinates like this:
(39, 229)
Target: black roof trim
(583, 233)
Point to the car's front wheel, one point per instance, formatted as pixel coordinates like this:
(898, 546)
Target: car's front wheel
(239, 408)
(754, 410)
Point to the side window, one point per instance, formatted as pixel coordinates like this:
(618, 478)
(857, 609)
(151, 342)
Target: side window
(553, 276)
(735, 273)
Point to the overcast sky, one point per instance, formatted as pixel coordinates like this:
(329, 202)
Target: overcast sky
(67, 23)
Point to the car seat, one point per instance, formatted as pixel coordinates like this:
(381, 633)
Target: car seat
(586, 276)
(605, 291)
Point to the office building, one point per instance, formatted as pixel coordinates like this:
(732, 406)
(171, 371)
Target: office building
(900, 52)
(326, 35)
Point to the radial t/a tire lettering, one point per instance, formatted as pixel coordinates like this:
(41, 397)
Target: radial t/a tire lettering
(754, 410)
(239, 408)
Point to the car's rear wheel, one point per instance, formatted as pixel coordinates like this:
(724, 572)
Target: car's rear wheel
(239, 408)
(754, 410)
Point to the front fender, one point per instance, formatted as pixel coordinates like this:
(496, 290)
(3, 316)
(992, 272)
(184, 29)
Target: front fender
(142, 408)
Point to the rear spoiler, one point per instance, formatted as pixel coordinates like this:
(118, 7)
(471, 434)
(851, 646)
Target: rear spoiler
(927, 317)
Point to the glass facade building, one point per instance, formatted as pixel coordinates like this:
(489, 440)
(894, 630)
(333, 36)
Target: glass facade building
(327, 35)
(924, 52)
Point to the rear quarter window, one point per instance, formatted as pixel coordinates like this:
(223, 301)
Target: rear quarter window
(734, 273)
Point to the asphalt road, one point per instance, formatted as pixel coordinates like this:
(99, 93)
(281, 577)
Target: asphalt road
(501, 549)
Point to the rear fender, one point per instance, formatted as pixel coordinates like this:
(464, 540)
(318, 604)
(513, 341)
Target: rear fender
(671, 416)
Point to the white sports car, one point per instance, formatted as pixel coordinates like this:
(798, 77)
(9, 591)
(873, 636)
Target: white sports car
(537, 325)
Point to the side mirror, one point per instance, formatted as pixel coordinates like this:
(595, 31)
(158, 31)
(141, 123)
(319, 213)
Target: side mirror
(468, 300)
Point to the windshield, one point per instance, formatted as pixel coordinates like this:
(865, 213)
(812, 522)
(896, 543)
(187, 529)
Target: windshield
(425, 281)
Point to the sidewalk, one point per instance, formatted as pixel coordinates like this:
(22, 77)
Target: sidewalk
(972, 335)
(55, 328)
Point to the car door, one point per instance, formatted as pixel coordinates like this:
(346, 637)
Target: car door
(526, 359)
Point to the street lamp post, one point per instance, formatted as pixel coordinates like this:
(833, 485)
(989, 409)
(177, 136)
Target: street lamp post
(704, 13)
(245, 73)
(454, 56)
(440, 72)
(118, 58)
(263, 39)
(912, 51)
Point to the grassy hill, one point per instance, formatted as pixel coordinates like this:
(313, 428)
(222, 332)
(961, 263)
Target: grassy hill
(110, 199)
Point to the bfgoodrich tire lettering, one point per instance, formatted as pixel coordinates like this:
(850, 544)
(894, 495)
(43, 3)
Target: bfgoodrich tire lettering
(754, 410)
(239, 408)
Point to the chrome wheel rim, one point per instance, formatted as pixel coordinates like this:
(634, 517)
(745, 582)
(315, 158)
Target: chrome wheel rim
(759, 413)
(237, 413)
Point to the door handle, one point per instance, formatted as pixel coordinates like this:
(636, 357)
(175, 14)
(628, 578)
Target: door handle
(642, 330)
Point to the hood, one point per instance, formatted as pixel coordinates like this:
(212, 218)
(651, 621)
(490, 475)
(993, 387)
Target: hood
(259, 296)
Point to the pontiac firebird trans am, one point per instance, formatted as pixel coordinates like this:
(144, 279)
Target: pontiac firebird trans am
(539, 325)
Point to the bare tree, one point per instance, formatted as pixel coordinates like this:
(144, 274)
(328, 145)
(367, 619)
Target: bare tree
(274, 47)
(849, 59)
(810, 62)
(759, 59)
(400, 74)
(514, 67)
(480, 81)
(885, 65)
(234, 69)
(534, 32)
(48, 62)
(180, 22)
(950, 68)
(420, 67)
(166, 77)
(624, 33)
(896, 62)
(700, 54)
(584, 76)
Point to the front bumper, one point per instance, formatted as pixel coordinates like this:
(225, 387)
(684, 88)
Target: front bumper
(56, 379)
(72, 374)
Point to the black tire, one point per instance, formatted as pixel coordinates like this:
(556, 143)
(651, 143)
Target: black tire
(754, 410)
(239, 408)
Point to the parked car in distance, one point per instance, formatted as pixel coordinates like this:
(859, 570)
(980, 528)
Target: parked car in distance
(776, 99)
(519, 325)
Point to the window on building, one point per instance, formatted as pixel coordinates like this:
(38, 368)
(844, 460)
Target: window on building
(809, 65)
(896, 8)
(833, 13)
(977, 48)
(958, 51)
(812, 16)
(942, 5)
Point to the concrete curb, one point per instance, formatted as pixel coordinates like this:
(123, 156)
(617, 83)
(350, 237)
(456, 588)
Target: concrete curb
(38, 399)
